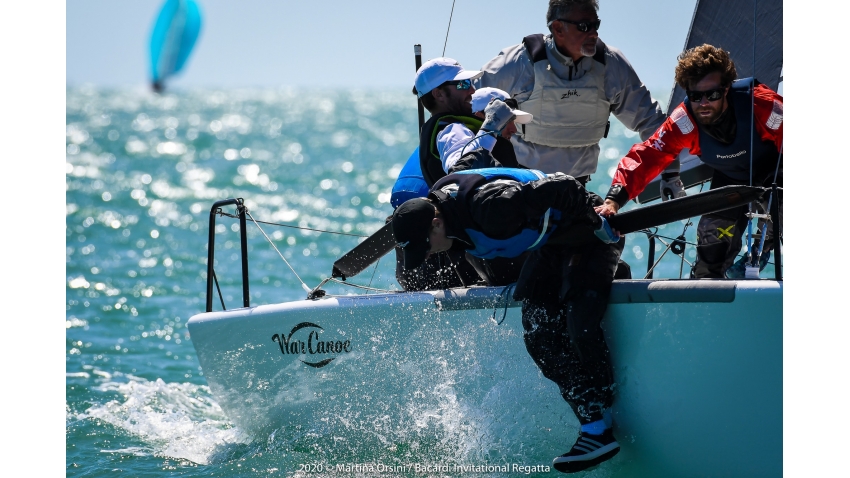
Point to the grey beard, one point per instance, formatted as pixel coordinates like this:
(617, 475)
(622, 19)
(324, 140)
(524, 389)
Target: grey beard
(588, 51)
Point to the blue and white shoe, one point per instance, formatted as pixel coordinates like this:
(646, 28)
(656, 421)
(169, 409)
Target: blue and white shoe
(589, 450)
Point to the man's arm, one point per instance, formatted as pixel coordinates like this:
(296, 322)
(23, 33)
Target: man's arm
(646, 160)
(631, 101)
(511, 71)
(455, 138)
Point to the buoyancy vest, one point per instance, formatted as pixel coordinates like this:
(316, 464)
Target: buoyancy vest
(557, 103)
(410, 183)
(453, 194)
(429, 156)
(733, 159)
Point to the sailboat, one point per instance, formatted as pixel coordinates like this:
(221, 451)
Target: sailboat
(697, 364)
(172, 39)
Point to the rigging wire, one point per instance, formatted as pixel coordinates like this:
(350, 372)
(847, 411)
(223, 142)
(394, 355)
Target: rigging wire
(752, 135)
(356, 286)
(449, 28)
(374, 271)
(303, 285)
(222, 213)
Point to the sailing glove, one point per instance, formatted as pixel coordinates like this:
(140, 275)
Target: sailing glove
(497, 115)
(672, 186)
(605, 233)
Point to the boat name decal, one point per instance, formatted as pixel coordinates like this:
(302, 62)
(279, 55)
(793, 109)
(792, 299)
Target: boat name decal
(313, 345)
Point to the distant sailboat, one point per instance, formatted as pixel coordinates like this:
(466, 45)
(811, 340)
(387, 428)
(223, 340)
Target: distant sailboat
(172, 39)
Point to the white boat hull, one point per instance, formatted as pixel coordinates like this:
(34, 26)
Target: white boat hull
(698, 366)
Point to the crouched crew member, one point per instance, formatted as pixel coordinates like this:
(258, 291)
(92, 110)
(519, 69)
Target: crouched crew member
(564, 285)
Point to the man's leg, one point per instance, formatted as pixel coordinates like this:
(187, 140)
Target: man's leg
(718, 243)
(586, 288)
(544, 322)
(565, 293)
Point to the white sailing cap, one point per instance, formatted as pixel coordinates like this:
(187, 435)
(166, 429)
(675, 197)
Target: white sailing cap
(482, 97)
(434, 73)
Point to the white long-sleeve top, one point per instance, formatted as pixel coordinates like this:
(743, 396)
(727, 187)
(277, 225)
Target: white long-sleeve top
(453, 140)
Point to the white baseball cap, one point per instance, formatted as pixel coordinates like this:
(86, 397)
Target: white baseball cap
(434, 73)
(482, 97)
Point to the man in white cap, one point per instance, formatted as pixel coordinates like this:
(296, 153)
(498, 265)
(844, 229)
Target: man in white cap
(446, 90)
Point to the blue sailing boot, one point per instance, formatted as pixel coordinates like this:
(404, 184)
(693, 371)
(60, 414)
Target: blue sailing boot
(595, 444)
(738, 269)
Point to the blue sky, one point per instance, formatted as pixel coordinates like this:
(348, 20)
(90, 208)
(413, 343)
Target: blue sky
(344, 43)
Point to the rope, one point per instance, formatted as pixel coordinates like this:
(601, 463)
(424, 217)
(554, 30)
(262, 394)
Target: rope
(449, 28)
(506, 294)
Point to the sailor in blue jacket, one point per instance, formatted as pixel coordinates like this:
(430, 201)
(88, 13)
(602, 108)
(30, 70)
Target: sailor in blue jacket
(564, 284)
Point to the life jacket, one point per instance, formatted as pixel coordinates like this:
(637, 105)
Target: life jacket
(557, 103)
(454, 192)
(429, 156)
(410, 183)
(733, 159)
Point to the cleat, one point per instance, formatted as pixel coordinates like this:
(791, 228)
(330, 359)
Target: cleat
(588, 451)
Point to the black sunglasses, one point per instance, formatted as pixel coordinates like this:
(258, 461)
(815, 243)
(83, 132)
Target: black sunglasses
(712, 95)
(460, 84)
(584, 27)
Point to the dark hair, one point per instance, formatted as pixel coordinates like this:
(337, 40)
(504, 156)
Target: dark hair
(562, 8)
(428, 100)
(700, 61)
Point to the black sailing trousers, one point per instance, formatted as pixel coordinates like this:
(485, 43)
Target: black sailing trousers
(564, 292)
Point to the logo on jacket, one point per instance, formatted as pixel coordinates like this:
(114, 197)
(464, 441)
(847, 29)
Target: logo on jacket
(733, 155)
(657, 143)
(570, 93)
(313, 346)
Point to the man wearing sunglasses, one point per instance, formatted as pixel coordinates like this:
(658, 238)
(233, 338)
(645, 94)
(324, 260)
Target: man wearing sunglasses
(734, 126)
(570, 81)
(446, 91)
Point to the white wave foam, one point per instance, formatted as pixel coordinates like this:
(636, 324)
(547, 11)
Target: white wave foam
(178, 420)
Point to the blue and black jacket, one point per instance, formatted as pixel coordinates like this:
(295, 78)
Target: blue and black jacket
(503, 212)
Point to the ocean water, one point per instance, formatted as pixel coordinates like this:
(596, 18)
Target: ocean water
(142, 172)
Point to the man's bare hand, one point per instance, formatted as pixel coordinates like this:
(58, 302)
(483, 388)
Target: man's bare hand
(608, 208)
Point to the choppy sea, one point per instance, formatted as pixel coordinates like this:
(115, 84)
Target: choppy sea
(142, 171)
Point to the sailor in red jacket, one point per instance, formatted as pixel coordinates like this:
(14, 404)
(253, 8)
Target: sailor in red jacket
(719, 121)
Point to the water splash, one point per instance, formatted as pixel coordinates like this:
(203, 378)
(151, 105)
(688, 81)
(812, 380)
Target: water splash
(177, 420)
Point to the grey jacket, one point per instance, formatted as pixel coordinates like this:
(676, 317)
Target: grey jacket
(512, 70)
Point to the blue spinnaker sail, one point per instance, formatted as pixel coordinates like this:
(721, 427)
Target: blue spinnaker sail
(172, 39)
